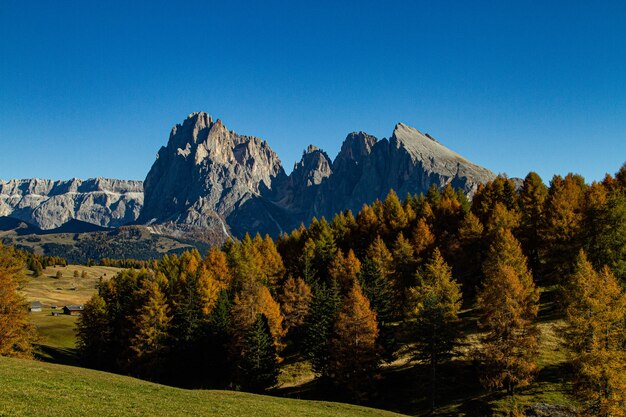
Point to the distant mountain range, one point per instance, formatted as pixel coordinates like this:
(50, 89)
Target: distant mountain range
(210, 183)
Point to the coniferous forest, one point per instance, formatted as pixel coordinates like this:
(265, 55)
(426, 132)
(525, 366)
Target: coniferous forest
(403, 278)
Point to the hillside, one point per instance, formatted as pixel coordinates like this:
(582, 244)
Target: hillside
(128, 242)
(36, 388)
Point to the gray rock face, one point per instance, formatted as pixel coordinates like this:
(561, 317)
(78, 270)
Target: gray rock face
(49, 204)
(209, 178)
(210, 183)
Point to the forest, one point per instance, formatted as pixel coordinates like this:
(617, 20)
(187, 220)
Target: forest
(355, 292)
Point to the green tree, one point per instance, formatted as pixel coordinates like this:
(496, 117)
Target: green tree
(257, 367)
(605, 229)
(533, 197)
(379, 289)
(319, 325)
(93, 334)
(436, 304)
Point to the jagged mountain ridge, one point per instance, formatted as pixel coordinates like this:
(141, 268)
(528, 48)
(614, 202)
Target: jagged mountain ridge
(209, 178)
(210, 183)
(50, 204)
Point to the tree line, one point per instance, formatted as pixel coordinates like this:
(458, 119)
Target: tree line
(345, 294)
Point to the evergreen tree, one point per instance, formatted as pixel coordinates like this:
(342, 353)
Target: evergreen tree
(93, 334)
(257, 367)
(405, 266)
(436, 304)
(467, 265)
(595, 337)
(605, 229)
(307, 260)
(533, 196)
(379, 289)
(319, 325)
(354, 354)
(216, 364)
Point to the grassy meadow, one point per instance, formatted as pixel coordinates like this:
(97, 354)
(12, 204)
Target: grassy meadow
(35, 388)
(57, 338)
(51, 290)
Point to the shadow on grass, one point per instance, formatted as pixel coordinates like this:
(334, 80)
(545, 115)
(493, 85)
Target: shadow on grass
(61, 356)
(405, 389)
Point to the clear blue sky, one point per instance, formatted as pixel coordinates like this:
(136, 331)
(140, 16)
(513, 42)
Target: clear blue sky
(93, 88)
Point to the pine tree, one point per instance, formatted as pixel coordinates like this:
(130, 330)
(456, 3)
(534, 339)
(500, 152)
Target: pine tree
(509, 303)
(257, 367)
(595, 337)
(605, 229)
(319, 325)
(533, 196)
(149, 344)
(405, 266)
(16, 333)
(354, 354)
(379, 289)
(467, 265)
(93, 334)
(307, 260)
(436, 304)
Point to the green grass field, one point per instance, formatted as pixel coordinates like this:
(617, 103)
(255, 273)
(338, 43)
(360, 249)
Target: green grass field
(31, 388)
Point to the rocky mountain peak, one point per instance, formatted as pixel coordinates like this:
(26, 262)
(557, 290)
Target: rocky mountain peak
(314, 166)
(205, 168)
(355, 147)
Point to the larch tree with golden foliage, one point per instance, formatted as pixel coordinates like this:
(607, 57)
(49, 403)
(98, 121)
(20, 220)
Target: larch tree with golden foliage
(509, 303)
(149, 345)
(16, 333)
(596, 338)
(253, 300)
(344, 270)
(354, 354)
(295, 301)
(435, 305)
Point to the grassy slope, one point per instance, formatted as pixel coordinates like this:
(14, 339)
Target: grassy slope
(52, 291)
(37, 388)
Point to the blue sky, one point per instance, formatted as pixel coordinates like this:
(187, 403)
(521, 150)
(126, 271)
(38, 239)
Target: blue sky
(93, 88)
